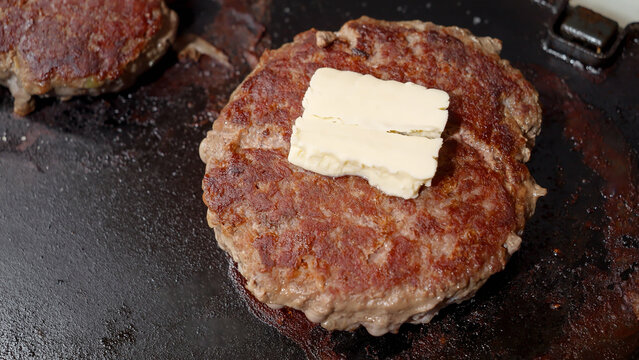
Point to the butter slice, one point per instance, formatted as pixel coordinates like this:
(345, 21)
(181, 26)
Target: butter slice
(384, 131)
(334, 149)
(386, 105)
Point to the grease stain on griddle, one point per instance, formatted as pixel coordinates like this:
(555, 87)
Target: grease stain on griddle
(121, 331)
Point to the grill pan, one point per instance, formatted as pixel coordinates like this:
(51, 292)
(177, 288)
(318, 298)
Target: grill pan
(105, 252)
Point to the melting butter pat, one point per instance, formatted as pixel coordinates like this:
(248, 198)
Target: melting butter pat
(334, 149)
(386, 105)
(384, 131)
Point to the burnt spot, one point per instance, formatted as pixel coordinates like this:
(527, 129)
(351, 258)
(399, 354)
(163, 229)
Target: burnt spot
(629, 241)
(361, 53)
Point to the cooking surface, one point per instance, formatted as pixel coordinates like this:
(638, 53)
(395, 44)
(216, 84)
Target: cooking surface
(105, 251)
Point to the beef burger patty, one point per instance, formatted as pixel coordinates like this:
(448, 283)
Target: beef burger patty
(340, 250)
(76, 47)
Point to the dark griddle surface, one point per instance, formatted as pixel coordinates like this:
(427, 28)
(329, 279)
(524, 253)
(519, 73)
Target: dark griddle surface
(105, 251)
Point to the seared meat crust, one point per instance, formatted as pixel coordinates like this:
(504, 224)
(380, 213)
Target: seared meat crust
(340, 250)
(73, 47)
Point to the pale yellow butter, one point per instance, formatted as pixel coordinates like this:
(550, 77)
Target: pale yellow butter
(369, 102)
(354, 124)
